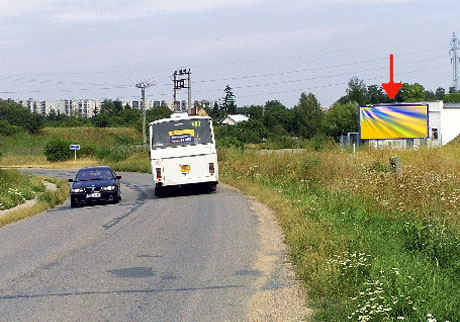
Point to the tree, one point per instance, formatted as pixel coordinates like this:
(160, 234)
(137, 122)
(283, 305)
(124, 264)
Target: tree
(111, 107)
(340, 119)
(277, 114)
(452, 97)
(440, 93)
(228, 104)
(216, 113)
(101, 120)
(357, 91)
(430, 96)
(308, 116)
(157, 113)
(412, 93)
(376, 95)
(20, 116)
(255, 112)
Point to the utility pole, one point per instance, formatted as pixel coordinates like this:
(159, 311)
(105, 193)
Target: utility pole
(454, 60)
(179, 83)
(143, 86)
(189, 105)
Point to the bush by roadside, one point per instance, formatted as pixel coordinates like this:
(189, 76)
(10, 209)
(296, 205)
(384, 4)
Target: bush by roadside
(59, 150)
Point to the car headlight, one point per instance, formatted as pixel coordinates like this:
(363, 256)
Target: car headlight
(76, 190)
(109, 188)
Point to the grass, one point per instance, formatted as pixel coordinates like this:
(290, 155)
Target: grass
(16, 188)
(46, 200)
(25, 149)
(369, 247)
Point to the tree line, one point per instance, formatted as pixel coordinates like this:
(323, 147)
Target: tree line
(274, 121)
(269, 122)
(15, 118)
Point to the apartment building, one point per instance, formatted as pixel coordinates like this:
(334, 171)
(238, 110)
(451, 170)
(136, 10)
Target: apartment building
(36, 106)
(83, 107)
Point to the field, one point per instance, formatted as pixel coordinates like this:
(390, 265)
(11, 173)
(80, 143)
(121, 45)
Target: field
(368, 246)
(97, 144)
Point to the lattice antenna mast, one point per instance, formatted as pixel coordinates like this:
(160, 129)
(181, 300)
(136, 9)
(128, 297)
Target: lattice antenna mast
(143, 86)
(454, 43)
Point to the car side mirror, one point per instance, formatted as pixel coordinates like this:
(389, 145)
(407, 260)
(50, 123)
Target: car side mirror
(70, 180)
(118, 177)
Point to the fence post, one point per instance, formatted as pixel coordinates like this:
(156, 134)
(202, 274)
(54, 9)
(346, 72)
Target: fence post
(395, 163)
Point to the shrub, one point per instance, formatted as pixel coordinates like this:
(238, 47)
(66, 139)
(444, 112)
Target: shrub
(57, 150)
(229, 142)
(113, 154)
(88, 150)
(7, 129)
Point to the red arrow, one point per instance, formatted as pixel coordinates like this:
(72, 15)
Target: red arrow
(391, 88)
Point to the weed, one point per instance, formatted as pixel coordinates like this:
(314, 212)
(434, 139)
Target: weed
(368, 246)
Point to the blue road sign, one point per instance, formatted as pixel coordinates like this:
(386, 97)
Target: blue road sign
(75, 147)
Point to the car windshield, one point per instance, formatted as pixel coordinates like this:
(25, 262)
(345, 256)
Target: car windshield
(181, 133)
(94, 174)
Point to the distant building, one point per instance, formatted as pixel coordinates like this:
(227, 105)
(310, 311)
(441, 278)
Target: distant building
(324, 109)
(137, 105)
(36, 106)
(83, 107)
(234, 119)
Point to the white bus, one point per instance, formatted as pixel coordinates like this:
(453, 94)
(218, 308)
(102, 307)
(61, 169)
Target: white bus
(183, 152)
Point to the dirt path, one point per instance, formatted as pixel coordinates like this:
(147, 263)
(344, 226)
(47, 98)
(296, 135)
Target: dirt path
(279, 296)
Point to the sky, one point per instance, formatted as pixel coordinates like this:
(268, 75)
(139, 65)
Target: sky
(265, 50)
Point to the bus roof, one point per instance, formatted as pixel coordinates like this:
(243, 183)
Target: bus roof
(179, 116)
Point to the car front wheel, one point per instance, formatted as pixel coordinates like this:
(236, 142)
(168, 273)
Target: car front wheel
(73, 203)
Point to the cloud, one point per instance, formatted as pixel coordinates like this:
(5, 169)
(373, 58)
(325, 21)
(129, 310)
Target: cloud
(104, 10)
(117, 10)
(18, 7)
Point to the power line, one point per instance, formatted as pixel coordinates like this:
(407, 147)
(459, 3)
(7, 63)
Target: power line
(338, 84)
(105, 86)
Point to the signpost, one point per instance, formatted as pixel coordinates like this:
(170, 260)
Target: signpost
(75, 147)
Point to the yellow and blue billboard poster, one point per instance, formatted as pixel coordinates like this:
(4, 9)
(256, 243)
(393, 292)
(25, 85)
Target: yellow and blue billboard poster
(181, 136)
(398, 121)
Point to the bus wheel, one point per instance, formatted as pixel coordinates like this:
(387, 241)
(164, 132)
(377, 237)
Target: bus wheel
(212, 187)
(158, 192)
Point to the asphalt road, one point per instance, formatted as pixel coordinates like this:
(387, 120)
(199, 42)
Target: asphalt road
(179, 258)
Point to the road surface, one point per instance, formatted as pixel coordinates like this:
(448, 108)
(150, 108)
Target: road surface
(179, 258)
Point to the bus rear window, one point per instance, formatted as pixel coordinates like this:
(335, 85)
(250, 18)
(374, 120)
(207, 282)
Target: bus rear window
(181, 133)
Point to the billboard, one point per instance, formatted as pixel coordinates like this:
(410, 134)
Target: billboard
(398, 121)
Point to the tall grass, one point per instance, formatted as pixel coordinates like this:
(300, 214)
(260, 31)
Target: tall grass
(106, 144)
(46, 200)
(16, 188)
(369, 247)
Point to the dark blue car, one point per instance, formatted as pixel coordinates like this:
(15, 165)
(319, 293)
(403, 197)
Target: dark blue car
(94, 184)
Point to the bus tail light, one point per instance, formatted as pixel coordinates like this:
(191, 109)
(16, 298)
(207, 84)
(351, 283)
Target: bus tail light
(211, 168)
(158, 174)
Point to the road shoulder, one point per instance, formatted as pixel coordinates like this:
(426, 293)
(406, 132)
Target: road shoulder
(279, 295)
